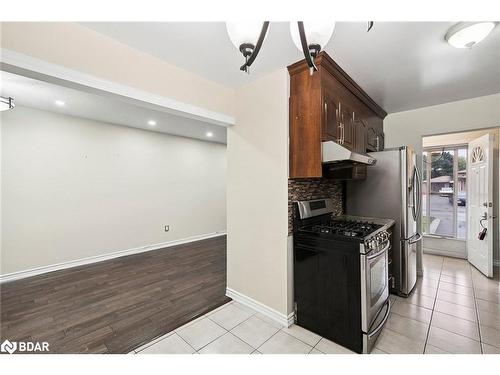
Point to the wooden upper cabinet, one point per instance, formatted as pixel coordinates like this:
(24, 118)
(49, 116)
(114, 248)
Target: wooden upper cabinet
(328, 106)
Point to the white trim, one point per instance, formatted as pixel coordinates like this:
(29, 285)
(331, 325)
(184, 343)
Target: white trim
(291, 319)
(99, 258)
(450, 247)
(18, 63)
(282, 319)
(445, 253)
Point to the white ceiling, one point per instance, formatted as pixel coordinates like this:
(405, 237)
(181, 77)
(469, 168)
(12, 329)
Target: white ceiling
(401, 65)
(42, 95)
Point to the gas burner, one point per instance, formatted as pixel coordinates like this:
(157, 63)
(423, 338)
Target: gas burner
(345, 228)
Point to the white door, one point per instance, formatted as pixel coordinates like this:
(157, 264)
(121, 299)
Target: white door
(480, 203)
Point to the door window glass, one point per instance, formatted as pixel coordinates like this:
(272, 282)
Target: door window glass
(444, 192)
(461, 197)
(425, 195)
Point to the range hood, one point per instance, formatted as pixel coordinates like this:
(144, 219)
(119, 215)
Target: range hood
(332, 152)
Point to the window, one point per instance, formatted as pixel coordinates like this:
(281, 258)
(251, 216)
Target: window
(444, 192)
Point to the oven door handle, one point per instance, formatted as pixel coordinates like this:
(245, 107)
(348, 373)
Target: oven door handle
(381, 325)
(380, 252)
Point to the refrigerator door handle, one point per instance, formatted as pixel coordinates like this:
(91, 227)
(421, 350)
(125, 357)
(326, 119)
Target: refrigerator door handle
(416, 238)
(413, 239)
(417, 192)
(413, 194)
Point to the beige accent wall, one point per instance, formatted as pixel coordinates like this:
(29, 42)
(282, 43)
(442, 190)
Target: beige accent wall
(76, 47)
(257, 152)
(74, 188)
(409, 127)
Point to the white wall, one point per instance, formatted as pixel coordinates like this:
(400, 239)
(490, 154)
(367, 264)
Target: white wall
(74, 188)
(257, 191)
(408, 128)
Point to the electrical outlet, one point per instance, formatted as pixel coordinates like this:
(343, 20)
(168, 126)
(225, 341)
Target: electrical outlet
(167, 228)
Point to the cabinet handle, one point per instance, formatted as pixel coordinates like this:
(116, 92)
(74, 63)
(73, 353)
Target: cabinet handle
(378, 143)
(341, 124)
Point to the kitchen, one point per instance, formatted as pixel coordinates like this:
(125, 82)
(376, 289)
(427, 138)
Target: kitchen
(388, 234)
(324, 199)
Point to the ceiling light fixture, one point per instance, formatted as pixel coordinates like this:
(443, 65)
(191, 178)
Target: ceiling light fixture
(310, 39)
(210, 134)
(248, 38)
(6, 103)
(60, 103)
(468, 34)
(152, 123)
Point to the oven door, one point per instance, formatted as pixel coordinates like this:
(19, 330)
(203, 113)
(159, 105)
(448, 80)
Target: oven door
(374, 284)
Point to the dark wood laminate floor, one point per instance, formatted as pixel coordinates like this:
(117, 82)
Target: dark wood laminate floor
(117, 305)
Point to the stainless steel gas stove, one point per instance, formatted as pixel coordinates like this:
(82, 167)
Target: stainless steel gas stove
(341, 276)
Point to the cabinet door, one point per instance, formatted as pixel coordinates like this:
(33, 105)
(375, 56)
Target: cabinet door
(359, 133)
(371, 139)
(380, 140)
(331, 119)
(340, 296)
(307, 287)
(347, 127)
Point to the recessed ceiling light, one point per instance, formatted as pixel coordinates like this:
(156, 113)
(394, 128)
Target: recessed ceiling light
(209, 134)
(60, 103)
(152, 123)
(468, 34)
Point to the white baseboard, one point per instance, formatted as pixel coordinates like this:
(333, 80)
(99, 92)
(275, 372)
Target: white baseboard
(99, 258)
(282, 319)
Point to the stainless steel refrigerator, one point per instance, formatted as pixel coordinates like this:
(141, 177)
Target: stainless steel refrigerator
(392, 190)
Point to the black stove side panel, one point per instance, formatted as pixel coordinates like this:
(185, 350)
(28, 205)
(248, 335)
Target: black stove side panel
(327, 288)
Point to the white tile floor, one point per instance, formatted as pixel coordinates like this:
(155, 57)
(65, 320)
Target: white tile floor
(454, 309)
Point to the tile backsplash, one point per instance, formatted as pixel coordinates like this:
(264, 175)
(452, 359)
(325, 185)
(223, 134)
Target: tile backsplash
(313, 188)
